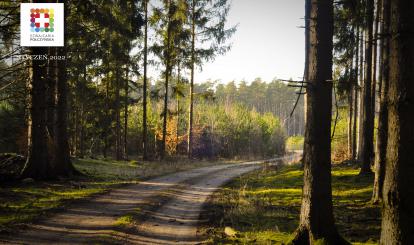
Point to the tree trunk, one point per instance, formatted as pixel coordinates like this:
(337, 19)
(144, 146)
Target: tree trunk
(397, 214)
(82, 121)
(381, 144)
(50, 95)
(351, 106)
(178, 108)
(82, 118)
(167, 78)
(144, 88)
(107, 118)
(317, 193)
(374, 58)
(350, 122)
(75, 121)
(82, 132)
(37, 164)
(360, 100)
(165, 112)
(191, 105)
(126, 104)
(118, 147)
(367, 144)
(307, 48)
(62, 165)
(355, 97)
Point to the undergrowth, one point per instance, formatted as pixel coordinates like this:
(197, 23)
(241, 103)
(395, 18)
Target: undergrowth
(264, 206)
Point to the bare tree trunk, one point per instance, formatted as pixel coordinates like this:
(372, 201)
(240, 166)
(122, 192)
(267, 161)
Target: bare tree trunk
(165, 112)
(82, 121)
(62, 165)
(367, 150)
(375, 57)
(317, 193)
(76, 130)
(50, 96)
(360, 97)
(355, 95)
(82, 132)
(126, 104)
(397, 214)
(350, 122)
(144, 89)
(307, 47)
(167, 78)
(191, 109)
(351, 106)
(37, 164)
(178, 108)
(381, 144)
(118, 147)
(107, 117)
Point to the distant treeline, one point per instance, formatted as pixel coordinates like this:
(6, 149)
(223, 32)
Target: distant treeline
(226, 124)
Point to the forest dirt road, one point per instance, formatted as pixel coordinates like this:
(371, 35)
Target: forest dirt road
(168, 211)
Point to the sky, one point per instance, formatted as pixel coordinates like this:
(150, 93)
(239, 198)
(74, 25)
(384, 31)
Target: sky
(268, 43)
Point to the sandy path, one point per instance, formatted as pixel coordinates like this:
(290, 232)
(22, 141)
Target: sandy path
(171, 206)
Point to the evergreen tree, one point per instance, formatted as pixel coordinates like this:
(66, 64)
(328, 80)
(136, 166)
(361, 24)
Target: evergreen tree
(169, 23)
(382, 132)
(316, 226)
(145, 84)
(208, 37)
(398, 192)
(367, 144)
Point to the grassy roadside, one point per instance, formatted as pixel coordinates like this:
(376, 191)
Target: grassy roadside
(22, 202)
(263, 207)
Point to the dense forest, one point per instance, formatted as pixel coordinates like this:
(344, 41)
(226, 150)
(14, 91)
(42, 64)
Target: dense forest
(105, 91)
(94, 98)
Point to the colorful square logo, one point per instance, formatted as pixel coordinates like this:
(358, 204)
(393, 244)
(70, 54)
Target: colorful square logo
(42, 20)
(42, 24)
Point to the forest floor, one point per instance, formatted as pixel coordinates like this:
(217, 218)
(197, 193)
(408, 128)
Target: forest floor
(156, 210)
(263, 207)
(22, 202)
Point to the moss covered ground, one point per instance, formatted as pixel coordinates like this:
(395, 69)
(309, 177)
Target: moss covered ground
(263, 207)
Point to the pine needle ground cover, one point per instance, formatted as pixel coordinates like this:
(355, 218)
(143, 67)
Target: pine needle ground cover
(263, 207)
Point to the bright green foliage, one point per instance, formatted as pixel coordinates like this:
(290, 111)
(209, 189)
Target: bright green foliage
(243, 131)
(266, 96)
(295, 143)
(340, 140)
(222, 129)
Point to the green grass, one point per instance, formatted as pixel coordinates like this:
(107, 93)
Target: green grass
(21, 202)
(263, 207)
(295, 143)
